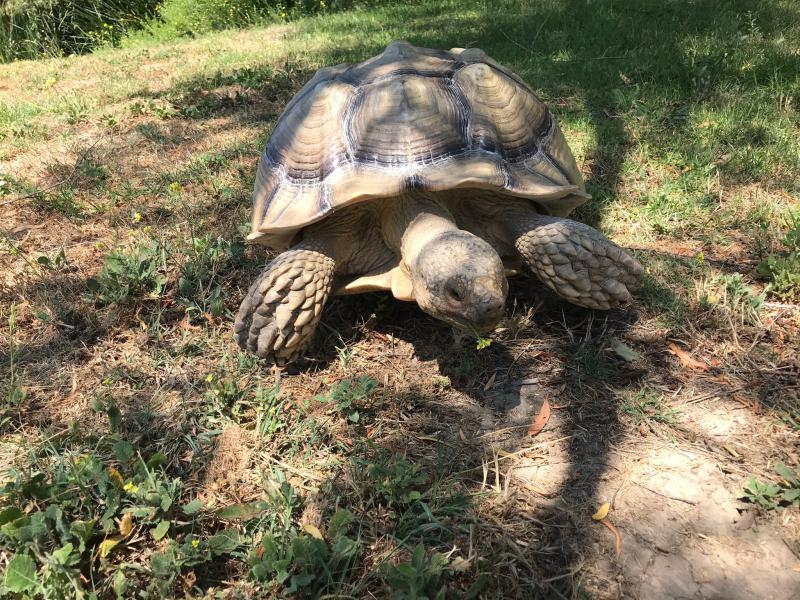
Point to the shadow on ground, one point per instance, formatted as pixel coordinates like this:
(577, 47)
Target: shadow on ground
(590, 61)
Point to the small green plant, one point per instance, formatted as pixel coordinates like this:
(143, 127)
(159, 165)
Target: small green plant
(729, 295)
(770, 496)
(482, 343)
(108, 120)
(133, 273)
(150, 107)
(304, 561)
(199, 290)
(782, 270)
(75, 109)
(345, 354)
(421, 577)
(647, 407)
(348, 394)
(62, 199)
(394, 481)
(92, 170)
(269, 410)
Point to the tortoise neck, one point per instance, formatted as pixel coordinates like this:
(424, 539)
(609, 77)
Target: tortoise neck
(413, 221)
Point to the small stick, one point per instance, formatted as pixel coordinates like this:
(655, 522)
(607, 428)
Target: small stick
(684, 500)
(617, 537)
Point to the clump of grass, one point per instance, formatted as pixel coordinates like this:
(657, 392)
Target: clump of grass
(782, 270)
(647, 407)
(133, 273)
(32, 28)
(729, 296)
(199, 289)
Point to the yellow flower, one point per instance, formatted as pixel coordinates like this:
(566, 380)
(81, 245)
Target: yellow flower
(195, 543)
(137, 217)
(209, 378)
(131, 488)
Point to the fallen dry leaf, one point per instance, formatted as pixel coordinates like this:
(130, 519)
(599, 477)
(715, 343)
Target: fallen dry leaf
(541, 419)
(116, 478)
(106, 546)
(602, 512)
(125, 524)
(686, 358)
(624, 351)
(490, 383)
(312, 530)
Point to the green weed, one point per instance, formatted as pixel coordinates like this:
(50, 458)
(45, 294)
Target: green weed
(75, 109)
(782, 270)
(421, 577)
(771, 496)
(304, 562)
(62, 200)
(729, 296)
(75, 506)
(198, 287)
(137, 272)
(348, 395)
(647, 407)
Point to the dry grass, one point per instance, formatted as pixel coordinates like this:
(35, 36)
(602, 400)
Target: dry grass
(160, 143)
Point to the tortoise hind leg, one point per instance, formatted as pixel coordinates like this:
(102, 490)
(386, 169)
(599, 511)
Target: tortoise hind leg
(280, 312)
(575, 260)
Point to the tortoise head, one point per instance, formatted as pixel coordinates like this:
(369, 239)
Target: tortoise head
(459, 278)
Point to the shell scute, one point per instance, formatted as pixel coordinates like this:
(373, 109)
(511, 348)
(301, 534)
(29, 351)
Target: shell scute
(410, 119)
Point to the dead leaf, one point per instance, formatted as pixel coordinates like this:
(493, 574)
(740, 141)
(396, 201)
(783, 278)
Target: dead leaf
(116, 478)
(125, 524)
(459, 565)
(541, 419)
(731, 451)
(490, 383)
(602, 512)
(624, 351)
(686, 358)
(106, 546)
(312, 530)
(462, 437)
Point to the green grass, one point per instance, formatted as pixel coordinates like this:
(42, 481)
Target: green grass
(123, 393)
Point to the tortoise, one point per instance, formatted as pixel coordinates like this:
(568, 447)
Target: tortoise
(427, 173)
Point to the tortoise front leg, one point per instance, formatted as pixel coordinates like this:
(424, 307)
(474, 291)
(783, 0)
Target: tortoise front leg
(280, 312)
(576, 261)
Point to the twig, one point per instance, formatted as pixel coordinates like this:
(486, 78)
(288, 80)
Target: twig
(617, 537)
(781, 305)
(702, 397)
(652, 491)
(295, 470)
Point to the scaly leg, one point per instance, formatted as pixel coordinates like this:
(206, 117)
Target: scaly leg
(280, 312)
(575, 260)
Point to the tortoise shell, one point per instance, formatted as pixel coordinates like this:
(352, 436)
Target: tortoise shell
(409, 119)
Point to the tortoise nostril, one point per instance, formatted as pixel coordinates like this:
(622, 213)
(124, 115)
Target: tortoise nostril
(453, 292)
(491, 308)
